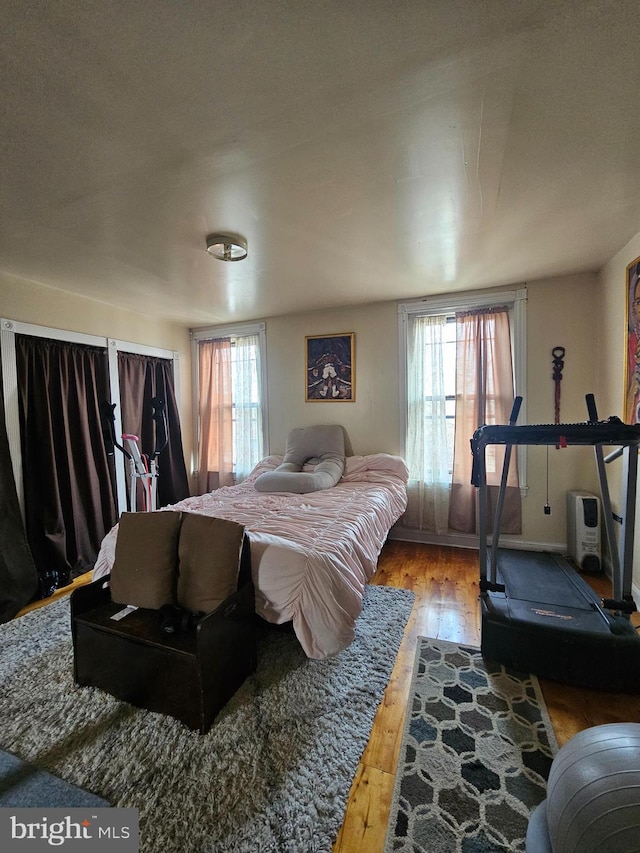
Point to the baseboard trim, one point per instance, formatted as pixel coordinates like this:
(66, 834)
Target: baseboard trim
(467, 540)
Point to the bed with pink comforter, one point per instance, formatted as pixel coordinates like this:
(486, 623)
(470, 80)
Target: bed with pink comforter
(311, 554)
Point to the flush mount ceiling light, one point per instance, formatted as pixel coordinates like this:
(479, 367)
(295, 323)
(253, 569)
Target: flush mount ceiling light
(227, 247)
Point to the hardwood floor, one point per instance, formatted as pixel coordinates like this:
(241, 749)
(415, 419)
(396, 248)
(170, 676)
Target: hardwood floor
(445, 581)
(59, 593)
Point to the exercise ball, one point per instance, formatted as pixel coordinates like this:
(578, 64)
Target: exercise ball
(593, 792)
(537, 840)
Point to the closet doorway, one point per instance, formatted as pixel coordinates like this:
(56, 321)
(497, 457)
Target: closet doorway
(72, 485)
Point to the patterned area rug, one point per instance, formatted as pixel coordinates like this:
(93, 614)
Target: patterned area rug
(476, 752)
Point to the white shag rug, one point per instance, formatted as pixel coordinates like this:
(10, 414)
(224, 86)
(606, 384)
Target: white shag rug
(272, 774)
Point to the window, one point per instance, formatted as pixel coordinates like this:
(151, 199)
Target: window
(435, 353)
(461, 361)
(246, 411)
(229, 406)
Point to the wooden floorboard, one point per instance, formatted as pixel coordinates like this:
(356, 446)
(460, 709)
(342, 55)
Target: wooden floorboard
(81, 580)
(445, 583)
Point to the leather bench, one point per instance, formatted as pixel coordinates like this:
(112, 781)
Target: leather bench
(190, 672)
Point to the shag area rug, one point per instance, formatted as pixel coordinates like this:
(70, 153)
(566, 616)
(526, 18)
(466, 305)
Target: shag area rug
(476, 752)
(272, 774)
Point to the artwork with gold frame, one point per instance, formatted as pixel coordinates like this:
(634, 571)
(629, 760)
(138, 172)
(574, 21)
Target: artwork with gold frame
(330, 368)
(632, 347)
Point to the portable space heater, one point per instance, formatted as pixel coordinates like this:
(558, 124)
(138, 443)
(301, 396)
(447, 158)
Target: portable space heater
(583, 530)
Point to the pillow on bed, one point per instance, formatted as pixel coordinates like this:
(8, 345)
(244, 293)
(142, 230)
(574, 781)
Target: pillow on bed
(323, 445)
(146, 556)
(209, 561)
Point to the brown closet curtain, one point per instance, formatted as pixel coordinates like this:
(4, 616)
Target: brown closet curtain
(143, 378)
(18, 575)
(68, 479)
(484, 395)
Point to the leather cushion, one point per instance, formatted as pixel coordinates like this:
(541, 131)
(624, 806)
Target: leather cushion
(208, 561)
(146, 556)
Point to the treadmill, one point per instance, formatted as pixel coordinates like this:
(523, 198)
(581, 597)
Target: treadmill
(538, 614)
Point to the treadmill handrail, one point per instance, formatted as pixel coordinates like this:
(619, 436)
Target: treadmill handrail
(612, 432)
(596, 434)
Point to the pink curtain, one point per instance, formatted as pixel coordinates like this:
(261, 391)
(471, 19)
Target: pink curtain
(215, 446)
(484, 395)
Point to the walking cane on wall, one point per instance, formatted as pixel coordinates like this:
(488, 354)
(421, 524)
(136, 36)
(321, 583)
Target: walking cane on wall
(557, 355)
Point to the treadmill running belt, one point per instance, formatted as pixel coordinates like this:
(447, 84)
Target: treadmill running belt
(549, 621)
(543, 577)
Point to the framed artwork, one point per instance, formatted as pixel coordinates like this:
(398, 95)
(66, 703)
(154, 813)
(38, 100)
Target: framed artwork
(330, 368)
(632, 349)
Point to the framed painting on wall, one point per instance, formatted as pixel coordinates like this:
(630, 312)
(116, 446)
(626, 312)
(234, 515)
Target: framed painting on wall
(330, 368)
(632, 349)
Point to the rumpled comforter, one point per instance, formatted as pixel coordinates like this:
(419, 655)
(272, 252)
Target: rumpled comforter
(312, 554)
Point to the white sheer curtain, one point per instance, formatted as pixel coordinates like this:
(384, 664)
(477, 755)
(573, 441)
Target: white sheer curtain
(247, 434)
(429, 449)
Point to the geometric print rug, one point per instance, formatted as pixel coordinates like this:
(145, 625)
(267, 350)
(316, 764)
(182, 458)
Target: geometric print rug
(475, 755)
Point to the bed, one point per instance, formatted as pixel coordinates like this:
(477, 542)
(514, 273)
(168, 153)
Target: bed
(313, 553)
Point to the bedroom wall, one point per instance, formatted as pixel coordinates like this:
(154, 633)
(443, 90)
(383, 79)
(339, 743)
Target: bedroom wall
(372, 420)
(555, 318)
(29, 302)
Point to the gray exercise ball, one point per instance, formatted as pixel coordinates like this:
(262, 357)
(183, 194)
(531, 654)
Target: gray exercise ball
(593, 795)
(538, 840)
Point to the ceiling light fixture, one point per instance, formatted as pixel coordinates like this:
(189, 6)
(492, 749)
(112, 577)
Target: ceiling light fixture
(227, 247)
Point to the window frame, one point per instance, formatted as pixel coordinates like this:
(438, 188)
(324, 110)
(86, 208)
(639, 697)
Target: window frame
(516, 301)
(212, 333)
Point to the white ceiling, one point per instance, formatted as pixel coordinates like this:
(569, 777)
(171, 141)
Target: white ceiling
(366, 149)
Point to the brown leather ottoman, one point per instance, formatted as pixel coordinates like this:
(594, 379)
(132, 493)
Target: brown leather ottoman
(190, 674)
